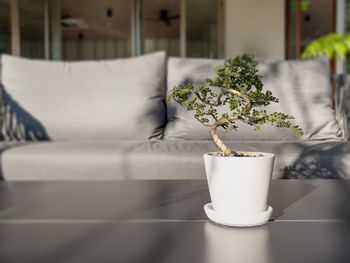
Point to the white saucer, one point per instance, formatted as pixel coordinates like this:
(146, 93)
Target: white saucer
(238, 220)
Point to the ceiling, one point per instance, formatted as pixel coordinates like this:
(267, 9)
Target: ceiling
(94, 13)
(118, 26)
(156, 29)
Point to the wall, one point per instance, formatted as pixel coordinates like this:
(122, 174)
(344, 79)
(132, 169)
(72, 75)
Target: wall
(255, 26)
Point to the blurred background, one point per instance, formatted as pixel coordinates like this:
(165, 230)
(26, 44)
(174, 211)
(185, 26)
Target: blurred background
(88, 29)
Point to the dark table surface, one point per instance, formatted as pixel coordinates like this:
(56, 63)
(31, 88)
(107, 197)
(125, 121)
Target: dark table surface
(164, 221)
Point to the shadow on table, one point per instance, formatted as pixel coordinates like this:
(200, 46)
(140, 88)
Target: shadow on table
(284, 195)
(322, 161)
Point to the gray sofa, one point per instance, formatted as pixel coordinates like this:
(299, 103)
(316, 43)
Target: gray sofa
(108, 120)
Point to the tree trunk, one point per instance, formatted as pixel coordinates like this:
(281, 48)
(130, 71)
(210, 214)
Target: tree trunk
(223, 147)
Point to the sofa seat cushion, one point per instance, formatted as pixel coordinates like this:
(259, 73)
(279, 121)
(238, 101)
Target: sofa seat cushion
(119, 160)
(88, 100)
(303, 88)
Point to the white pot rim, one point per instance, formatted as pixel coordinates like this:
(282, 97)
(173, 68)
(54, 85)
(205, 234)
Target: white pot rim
(265, 155)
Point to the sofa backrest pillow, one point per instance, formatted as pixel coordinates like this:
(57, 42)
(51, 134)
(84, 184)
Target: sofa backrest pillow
(92, 100)
(302, 86)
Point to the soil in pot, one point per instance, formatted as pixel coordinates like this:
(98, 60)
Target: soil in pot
(239, 154)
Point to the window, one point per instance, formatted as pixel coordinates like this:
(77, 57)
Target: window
(31, 14)
(5, 27)
(90, 30)
(162, 26)
(202, 28)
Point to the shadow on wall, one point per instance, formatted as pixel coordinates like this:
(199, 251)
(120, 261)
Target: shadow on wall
(18, 124)
(322, 161)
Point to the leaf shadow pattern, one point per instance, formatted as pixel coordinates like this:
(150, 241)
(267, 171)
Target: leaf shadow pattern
(322, 161)
(18, 124)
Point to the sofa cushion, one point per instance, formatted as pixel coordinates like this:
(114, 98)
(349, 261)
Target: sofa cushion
(302, 86)
(118, 160)
(98, 100)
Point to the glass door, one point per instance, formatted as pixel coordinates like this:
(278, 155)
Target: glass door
(202, 28)
(90, 30)
(5, 27)
(31, 14)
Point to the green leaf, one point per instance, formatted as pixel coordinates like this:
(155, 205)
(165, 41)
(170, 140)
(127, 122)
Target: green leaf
(297, 131)
(330, 45)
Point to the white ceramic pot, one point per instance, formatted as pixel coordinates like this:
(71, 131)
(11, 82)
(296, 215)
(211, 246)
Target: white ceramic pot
(239, 185)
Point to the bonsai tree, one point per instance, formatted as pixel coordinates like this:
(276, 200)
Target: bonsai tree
(237, 85)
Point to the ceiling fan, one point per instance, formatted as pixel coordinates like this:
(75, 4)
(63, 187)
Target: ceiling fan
(68, 22)
(164, 17)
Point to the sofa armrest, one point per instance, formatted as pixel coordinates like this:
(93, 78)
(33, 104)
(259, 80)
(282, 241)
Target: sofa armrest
(342, 82)
(1, 112)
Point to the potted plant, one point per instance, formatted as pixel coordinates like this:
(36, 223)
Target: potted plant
(331, 45)
(238, 181)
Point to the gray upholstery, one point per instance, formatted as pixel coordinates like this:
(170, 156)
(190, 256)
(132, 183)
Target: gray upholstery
(303, 88)
(93, 100)
(115, 160)
(101, 115)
